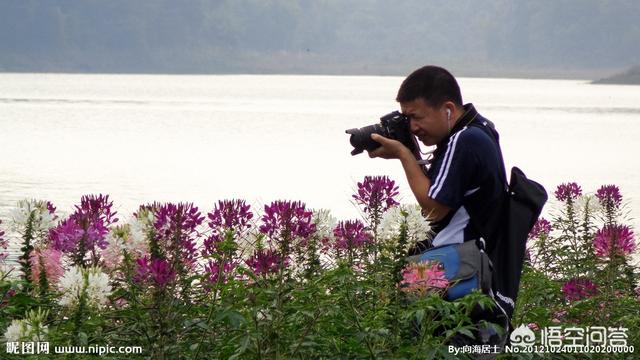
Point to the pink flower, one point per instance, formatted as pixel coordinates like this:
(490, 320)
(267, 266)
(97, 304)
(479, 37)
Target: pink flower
(609, 195)
(112, 256)
(577, 288)
(614, 240)
(542, 227)
(376, 194)
(423, 277)
(48, 260)
(568, 191)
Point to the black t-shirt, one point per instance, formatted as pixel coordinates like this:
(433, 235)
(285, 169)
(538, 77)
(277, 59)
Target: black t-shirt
(467, 175)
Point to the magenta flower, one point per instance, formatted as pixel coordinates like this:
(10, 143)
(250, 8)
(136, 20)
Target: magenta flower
(376, 193)
(264, 262)
(52, 210)
(542, 227)
(568, 191)
(227, 215)
(609, 195)
(94, 215)
(351, 234)
(287, 218)
(421, 278)
(577, 288)
(157, 270)
(3, 245)
(86, 229)
(217, 273)
(48, 260)
(614, 240)
(176, 231)
(66, 235)
(231, 214)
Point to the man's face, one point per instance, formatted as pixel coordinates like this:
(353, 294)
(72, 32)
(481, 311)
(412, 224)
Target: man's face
(427, 123)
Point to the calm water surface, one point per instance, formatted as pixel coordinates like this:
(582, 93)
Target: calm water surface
(143, 138)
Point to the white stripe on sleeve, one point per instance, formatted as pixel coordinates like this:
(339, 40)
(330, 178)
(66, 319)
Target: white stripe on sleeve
(444, 169)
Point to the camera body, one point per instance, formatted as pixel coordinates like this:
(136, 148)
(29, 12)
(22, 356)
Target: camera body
(394, 125)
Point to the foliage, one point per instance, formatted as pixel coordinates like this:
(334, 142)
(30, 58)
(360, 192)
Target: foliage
(580, 270)
(289, 282)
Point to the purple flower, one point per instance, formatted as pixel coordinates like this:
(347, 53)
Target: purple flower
(213, 269)
(287, 218)
(3, 244)
(264, 262)
(230, 214)
(609, 195)
(614, 240)
(176, 231)
(157, 270)
(376, 193)
(350, 234)
(66, 235)
(577, 288)
(542, 227)
(568, 191)
(85, 229)
(52, 210)
(227, 215)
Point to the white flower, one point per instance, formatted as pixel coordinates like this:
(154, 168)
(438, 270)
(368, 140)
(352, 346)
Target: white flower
(71, 285)
(16, 331)
(34, 211)
(29, 329)
(136, 242)
(92, 283)
(325, 223)
(98, 288)
(418, 228)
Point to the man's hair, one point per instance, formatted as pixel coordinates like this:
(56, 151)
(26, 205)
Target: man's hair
(432, 83)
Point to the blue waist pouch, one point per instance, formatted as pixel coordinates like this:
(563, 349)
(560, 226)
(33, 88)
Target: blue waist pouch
(465, 266)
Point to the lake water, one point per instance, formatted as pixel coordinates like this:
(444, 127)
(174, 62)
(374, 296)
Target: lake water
(144, 138)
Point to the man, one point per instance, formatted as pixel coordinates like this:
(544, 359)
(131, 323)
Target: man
(466, 174)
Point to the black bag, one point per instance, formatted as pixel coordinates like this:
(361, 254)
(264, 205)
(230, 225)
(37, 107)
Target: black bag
(522, 207)
(505, 230)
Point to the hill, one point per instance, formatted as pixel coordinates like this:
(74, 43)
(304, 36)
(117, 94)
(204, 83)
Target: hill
(548, 38)
(629, 77)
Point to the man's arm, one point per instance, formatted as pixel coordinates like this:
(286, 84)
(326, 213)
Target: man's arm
(418, 181)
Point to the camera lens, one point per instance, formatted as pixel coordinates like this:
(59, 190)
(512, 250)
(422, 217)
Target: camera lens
(361, 138)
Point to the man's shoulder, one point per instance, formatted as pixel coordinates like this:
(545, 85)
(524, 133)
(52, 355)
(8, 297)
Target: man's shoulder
(474, 135)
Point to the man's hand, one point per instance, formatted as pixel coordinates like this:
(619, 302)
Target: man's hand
(390, 149)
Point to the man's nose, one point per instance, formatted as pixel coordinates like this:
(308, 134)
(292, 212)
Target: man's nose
(413, 126)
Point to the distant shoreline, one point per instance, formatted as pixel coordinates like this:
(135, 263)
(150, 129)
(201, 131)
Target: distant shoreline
(552, 74)
(629, 77)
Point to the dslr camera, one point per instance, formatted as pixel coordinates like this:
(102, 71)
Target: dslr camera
(393, 126)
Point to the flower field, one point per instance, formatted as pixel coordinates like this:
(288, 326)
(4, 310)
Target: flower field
(285, 281)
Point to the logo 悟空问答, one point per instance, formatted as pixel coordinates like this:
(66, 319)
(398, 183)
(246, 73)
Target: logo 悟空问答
(522, 336)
